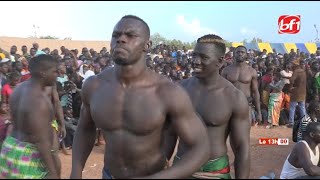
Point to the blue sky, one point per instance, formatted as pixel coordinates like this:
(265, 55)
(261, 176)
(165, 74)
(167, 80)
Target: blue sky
(186, 21)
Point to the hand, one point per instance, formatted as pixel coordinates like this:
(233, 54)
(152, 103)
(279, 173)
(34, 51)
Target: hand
(62, 132)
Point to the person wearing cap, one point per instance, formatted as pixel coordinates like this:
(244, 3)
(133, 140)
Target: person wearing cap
(298, 90)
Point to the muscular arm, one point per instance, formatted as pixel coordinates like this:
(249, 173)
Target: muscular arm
(240, 136)
(304, 160)
(85, 134)
(190, 130)
(58, 107)
(255, 93)
(40, 127)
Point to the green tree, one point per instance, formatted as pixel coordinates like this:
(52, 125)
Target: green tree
(156, 39)
(228, 43)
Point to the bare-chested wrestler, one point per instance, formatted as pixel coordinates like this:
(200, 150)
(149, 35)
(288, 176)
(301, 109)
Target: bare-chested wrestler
(135, 107)
(222, 107)
(28, 153)
(245, 78)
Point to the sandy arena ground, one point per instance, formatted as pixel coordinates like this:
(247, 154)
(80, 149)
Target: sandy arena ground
(263, 158)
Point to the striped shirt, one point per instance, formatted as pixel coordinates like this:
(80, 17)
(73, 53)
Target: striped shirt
(303, 126)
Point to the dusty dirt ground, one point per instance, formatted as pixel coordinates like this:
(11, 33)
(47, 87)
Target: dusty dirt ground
(263, 158)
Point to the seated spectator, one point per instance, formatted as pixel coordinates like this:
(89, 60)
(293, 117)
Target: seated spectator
(71, 126)
(313, 113)
(303, 161)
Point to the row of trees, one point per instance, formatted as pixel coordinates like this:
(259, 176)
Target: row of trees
(157, 39)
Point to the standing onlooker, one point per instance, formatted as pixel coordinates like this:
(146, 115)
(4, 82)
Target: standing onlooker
(275, 100)
(298, 88)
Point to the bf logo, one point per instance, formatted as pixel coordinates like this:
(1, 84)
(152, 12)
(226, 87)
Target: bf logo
(289, 24)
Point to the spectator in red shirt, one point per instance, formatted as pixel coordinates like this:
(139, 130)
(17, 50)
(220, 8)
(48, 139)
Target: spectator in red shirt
(14, 79)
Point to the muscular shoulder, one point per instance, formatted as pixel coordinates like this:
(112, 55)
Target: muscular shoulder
(93, 82)
(171, 93)
(236, 97)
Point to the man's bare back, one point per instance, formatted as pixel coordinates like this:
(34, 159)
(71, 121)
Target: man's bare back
(24, 100)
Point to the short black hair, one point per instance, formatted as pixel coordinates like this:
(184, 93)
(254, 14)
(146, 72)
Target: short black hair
(214, 39)
(139, 19)
(241, 47)
(312, 127)
(41, 63)
(13, 75)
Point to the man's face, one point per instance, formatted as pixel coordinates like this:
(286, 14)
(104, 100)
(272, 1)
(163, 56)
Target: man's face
(32, 52)
(51, 75)
(129, 41)
(157, 69)
(84, 51)
(62, 48)
(149, 63)
(240, 55)
(102, 62)
(97, 69)
(62, 68)
(13, 50)
(24, 49)
(55, 52)
(5, 68)
(36, 46)
(18, 66)
(15, 81)
(256, 67)
(205, 60)
(189, 66)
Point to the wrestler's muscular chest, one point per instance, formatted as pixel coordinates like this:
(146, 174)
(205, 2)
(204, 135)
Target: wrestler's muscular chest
(239, 75)
(210, 105)
(137, 110)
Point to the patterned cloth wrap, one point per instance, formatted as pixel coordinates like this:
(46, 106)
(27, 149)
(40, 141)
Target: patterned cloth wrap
(213, 169)
(55, 125)
(21, 160)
